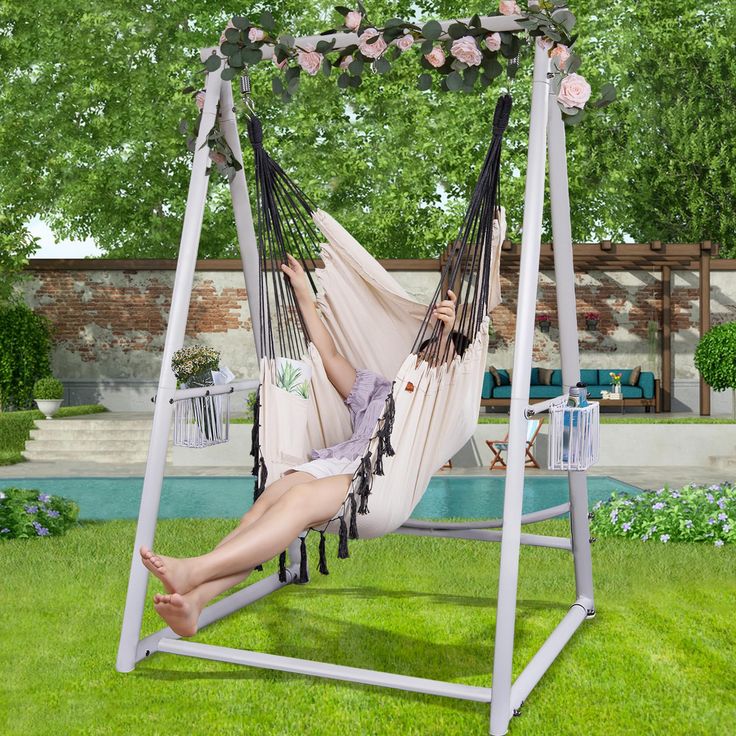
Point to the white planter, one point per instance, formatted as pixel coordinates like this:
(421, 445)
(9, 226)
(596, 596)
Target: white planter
(49, 407)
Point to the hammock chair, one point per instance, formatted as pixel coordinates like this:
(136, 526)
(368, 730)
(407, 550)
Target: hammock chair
(432, 409)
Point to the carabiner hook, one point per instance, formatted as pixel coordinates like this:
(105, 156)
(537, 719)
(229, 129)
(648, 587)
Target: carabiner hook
(245, 91)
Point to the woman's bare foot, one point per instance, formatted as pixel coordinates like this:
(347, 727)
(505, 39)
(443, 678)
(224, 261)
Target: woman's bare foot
(168, 570)
(179, 613)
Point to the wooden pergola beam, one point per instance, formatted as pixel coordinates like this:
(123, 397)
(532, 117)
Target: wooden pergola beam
(705, 254)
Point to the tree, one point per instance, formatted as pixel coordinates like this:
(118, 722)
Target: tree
(16, 244)
(89, 118)
(715, 358)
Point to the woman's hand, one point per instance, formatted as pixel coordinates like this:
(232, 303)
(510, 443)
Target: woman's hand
(293, 269)
(445, 310)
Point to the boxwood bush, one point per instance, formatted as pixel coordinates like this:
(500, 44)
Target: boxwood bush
(27, 513)
(48, 388)
(695, 513)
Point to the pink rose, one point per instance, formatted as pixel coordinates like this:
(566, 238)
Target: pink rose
(353, 20)
(371, 50)
(574, 91)
(256, 34)
(560, 54)
(465, 49)
(309, 60)
(436, 57)
(217, 157)
(405, 42)
(545, 43)
(280, 64)
(493, 42)
(230, 24)
(509, 7)
(345, 62)
(199, 99)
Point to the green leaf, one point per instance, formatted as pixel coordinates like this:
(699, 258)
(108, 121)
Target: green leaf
(573, 64)
(356, 67)
(287, 41)
(229, 48)
(394, 23)
(454, 81)
(492, 68)
(277, 85)
(475, 21)
(426, 47)
(456, 30)
(424, 82)
(355, 81)
(565, 18)
(343, 81)
(232, 35)
(292, 85)
(511, 68)
(381, 65)
(267, 21)
(326, 67)
(342, 10)
(470, 76)
(228, 73)
(291, 72)
(432, 30)
(212, 64)
(251, 56)
(241, 22)
(324, 47)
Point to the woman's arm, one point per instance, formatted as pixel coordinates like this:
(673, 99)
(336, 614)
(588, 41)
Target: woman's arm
(339, 370)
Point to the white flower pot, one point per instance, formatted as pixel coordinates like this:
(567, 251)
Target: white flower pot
(49, 407)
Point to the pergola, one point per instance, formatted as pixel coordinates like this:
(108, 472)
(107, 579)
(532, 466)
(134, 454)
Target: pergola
(654, 256)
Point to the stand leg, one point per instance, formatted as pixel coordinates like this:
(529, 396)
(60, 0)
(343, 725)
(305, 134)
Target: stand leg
(569, 351)
(163, 410)
(514, 488)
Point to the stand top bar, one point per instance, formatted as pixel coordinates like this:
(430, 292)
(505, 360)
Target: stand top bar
(492, 23)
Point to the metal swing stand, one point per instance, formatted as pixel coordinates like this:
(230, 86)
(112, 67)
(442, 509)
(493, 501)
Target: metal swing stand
(546, 134)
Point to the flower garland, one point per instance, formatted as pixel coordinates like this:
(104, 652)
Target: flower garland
(469, 56)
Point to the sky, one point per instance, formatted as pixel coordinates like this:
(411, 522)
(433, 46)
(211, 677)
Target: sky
(50, 248)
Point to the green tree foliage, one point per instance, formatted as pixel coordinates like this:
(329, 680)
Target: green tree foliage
(715, 357)
(89, 127)
(25, 354)
(16, 244)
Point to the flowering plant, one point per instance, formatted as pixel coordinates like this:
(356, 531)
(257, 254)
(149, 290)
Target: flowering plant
(615, 378)
(592, 316)
(543, 318)
(463, 55)
(194, 364)
(695, 513)
(30, 513)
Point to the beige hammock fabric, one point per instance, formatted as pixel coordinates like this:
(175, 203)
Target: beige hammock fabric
(374, 323)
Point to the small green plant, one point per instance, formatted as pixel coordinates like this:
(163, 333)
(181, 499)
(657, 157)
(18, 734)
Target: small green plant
(715, 358)
(25, 514)
(695, 513)
(289, 377)
(48, 389)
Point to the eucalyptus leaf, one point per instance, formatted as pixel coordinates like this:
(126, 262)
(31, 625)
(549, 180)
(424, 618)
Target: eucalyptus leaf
(454, 81)
(267, 21)
(228, 73)
(382, 65)
(432, 30)
(394, 23)
(475, 21)
(342, 10)
(236, 60)
(183, 127)
(456, 30)
(565, 18)
(426, 47)
(251, 56)
(241, 22)
(277, 85)
(229, 48)
(287, 40)
(573, 64)
(232, 35)
(355, 82)
(356, 67)
(511, 68)
(326, 67)
(212, 64)
(424, 82)
(343, 81)
(470, 76)
(292, 72)
(292, 85)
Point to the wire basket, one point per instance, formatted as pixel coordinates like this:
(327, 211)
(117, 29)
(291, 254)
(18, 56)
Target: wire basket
(202, 421)
(574, 437)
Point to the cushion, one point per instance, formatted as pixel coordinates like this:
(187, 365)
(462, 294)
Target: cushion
(496, 377)
(589, 377)
(634, 377)
(544, 392)
(631, 392)
(545, 376)
(504, 376)
(487, 391)
(502, 392)
(556, 379)
(646, 384)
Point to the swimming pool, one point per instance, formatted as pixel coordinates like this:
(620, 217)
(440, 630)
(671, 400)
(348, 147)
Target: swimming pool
(478, 497)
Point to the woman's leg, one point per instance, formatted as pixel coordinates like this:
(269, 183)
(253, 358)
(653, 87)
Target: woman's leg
(303, 505)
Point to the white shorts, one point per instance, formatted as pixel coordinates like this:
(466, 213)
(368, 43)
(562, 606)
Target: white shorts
(325, 467)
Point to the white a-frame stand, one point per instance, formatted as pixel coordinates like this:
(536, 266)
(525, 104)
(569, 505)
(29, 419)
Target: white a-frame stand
(546, 127)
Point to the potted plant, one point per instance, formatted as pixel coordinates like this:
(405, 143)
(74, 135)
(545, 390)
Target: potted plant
(49, 395)
(615, 383)
(544, 322)
(591, 320)
(715, 358)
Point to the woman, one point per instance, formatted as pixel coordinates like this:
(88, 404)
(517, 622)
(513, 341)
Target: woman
(307, 495)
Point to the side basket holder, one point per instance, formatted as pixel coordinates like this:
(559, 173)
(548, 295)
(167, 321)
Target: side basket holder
(574, 437)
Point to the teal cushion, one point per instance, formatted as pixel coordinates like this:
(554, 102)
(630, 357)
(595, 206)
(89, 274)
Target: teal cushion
(504, 376)
(487, 391)
(589, 377)
(631, 392)
(502, 392)
(535, 377)
(594, 392)
(544, 392)
(646, 384)
(556, 379)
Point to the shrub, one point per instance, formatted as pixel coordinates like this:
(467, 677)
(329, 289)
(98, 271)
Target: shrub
(25, 354)
(30, 513)
(715, 358)
(48, 388)
(694, 513)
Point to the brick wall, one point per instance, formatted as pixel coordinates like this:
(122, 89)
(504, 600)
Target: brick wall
(110, 324)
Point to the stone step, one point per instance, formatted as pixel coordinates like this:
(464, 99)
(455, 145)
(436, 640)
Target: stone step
(88, 444)
(102, 434)
(118, 458)
(65, 425)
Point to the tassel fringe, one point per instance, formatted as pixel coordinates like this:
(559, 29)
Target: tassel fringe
(282, 567)
(322, 555)
(303, 574)
(342, 547)
(364, 482)
(353, 534)
(384, 434)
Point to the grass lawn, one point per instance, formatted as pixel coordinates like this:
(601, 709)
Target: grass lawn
(16, 426)
(658, 658)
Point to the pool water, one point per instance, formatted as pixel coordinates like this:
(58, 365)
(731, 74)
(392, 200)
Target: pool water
(479, 497)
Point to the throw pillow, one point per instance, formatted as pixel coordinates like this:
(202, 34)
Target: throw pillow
(634, 377)
(510, 371)
(496, 377)
(545, 376)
